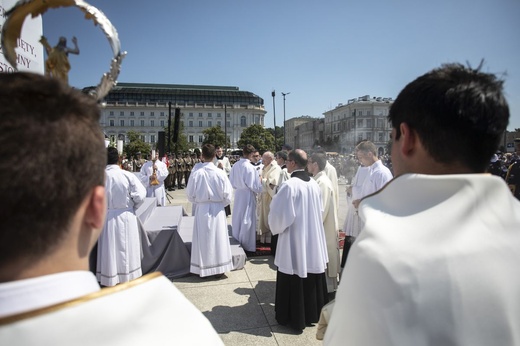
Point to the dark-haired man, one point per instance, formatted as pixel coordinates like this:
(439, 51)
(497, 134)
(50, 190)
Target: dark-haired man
(47, 233)
(245, 179)
(436, 263)
(210, 190)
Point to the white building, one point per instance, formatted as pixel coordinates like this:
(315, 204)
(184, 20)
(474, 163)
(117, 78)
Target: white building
(144, 108)
(362, 118)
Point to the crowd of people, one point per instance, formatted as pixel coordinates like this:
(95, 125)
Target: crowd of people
(433, 250)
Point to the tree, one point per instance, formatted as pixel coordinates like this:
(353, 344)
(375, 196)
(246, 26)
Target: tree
(258, 136)
(182, 144)
(136, 144)
(280, 141)
(214, 135)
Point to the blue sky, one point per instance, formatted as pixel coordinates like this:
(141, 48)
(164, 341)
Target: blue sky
(322, 52)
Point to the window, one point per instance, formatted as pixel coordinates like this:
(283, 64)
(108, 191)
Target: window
(191, 114)
(162, 123)
(190, 138)
(334, 127)
(243, 121)
(369, 123)
(200, 115)
(142, 123)
(219, 115)
(112, 138)
(161, 114)
(210, 115)
(143, 138)
(122, 122)
(360, 136)
(219, 123)
(121, 113)
(111, 113)
(200, 123)
(112, 122)
(142, 113)
(369, 136)
(368, 112)
(131, 113)
(132, 123)
(152, 123)
(201, 138)
(381, 123)
(152, 138)
(210, 123)
(190, 123)
(228, 124)
(381, 136)
(360, 123)
(360, 112)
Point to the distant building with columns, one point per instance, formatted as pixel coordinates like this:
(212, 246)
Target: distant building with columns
(144, 108)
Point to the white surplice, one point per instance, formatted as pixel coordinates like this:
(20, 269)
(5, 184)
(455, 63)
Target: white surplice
(331, 172)
(210, 191)
(330, 225)
(157, 191)
(296, 216)
(119, 245)
(147, 311)
(245, 179)
(436, 264)
(351, 227)
(270, 178)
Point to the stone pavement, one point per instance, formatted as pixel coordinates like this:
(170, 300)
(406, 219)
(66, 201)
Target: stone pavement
(240, 305)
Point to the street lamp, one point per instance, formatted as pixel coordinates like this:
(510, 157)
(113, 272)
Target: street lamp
(169, 126)
(284, 140)
(274, 115)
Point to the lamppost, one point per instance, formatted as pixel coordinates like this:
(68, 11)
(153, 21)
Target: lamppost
(225, 129)
(284, 140)
(274, 115)
(169, 126)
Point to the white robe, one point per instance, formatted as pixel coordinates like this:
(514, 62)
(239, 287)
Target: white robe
(330, 225)
(245, 179)
(155, 190)
(436, 264)
(351, 227)
(146, 311)
(119, 245)
(330, 170)
(210, 190)
(270, 177)
(296, 215)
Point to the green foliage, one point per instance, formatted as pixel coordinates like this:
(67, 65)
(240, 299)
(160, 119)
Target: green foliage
(259, 137)
(214, 135)
(280, 141)
(136, 145)
(182, 144)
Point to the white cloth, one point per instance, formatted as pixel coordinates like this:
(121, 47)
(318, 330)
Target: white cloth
(330, 225)
(29, 294)
(296, 216)
(210, 190)
(351, 226)
(245, 179)
(226, 165)
(157, 191)
(436, 264)
(270, 177)
(119, 245)
(330, 170)
(147, 311)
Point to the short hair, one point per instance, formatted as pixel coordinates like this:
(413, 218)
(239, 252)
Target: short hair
(269, 154)
(112, 156)
(458, 112)
(208, 152)
(286, 147)
(247, 150)
(57, 127)
(299, 157)
(367, 147)
(320, 159)
(282, 154)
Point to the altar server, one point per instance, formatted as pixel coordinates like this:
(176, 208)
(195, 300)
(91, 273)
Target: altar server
(210, 191)
(301, 256)
(437, 260)
(119, 246)
(245, 179)
(47, 294)
(153, 174)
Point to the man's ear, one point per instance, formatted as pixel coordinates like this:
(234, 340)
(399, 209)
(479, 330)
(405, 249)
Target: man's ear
(408, 140)
(96, 208)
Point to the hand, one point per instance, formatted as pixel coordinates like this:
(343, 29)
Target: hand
(356, 203)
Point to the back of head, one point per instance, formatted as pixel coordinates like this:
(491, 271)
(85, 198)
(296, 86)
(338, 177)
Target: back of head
(208, 152)
(282, 154)
(53, 154)
(112, 156)
(367, 147)
(247, 150)
(299, 157)
(459, 114)
(320, 159)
